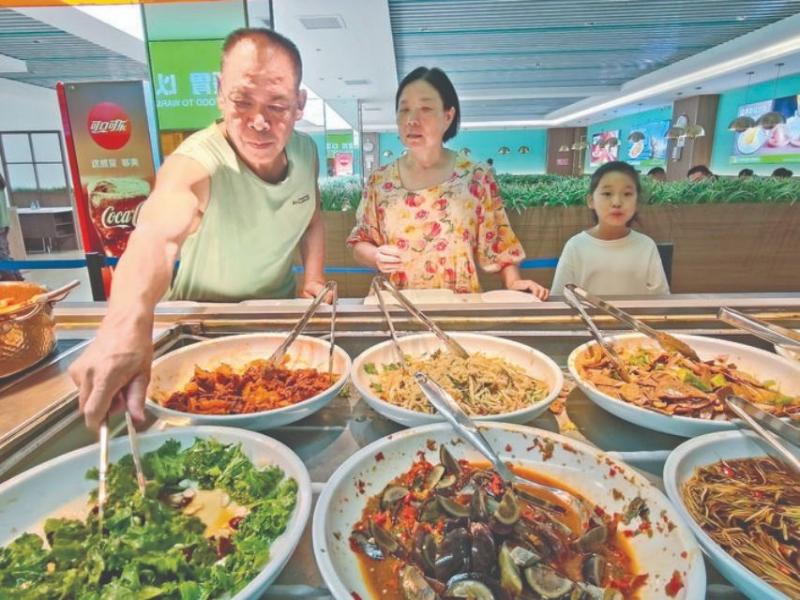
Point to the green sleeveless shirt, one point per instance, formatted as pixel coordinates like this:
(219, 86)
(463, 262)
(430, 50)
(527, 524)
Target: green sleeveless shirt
(245, 245)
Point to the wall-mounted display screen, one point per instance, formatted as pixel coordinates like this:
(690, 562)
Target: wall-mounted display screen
(605, 147)
(647, 144)
(778, 145)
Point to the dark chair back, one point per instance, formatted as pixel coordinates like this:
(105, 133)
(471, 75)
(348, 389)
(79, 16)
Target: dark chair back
(665, 251)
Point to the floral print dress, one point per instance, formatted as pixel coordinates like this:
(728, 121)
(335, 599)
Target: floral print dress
(441, 231)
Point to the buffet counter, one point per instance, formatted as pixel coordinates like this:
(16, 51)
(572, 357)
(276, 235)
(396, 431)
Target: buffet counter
(39, 419)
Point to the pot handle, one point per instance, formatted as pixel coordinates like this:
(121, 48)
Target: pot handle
(33, 306)
(25, 314)
(57, 295)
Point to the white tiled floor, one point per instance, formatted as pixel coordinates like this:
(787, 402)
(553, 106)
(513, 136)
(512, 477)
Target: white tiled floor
(53, 278)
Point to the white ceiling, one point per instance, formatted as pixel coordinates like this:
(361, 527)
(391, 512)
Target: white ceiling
(355, 62)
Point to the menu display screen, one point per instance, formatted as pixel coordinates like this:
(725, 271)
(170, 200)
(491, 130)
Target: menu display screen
(605, 147)
(778, 145)
(647, 144)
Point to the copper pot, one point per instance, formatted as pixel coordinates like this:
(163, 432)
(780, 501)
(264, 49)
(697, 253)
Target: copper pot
(27, 329)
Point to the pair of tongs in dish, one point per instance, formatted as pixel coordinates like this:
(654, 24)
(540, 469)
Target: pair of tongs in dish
(380, 283)
(330, 288)
(780, 336)
(446, 405)
(770, 429)
(102, 491)
(575, 296)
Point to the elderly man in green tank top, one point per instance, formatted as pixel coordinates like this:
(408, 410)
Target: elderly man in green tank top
(234, 202)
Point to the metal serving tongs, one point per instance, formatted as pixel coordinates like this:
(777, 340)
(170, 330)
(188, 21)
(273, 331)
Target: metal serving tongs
(102, 489)
(452, 412)
(776, 334)
(380, 282)
(330, 288)
(665, 340)
(767, 426)
(571, 299)
(375, 286)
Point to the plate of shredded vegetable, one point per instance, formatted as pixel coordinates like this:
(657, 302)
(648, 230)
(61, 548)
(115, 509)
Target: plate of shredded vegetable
(223, 511)
(502, 380)
(229, 381)
(672, 394)
(743, 507)
(420, 515)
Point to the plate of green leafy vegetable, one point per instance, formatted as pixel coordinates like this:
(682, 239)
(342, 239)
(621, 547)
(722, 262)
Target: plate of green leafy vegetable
(223, 512)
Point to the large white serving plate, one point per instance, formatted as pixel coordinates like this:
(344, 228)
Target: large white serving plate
(174, 370)
(534, 363)
(43, 491)
(579, 466)
(786, 352)
(680, 466)
(759, 363)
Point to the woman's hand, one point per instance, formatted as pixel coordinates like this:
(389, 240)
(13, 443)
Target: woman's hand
(528, 285)
(388, 259)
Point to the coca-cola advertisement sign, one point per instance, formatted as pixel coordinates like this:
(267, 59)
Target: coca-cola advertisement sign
(109, 125)
(106, 125)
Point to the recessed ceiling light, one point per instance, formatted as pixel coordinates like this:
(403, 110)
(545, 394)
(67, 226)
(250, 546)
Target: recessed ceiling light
(741, 18)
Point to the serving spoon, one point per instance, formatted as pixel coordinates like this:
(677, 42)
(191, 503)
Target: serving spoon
(460, 421)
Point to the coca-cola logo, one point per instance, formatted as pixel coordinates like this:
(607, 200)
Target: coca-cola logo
(120, 218)
(109, 125)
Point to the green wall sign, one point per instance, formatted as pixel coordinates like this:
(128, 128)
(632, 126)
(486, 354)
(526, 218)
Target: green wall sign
(184, 75)
(338, 142)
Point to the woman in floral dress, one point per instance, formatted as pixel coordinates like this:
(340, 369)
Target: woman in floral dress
(431, 217)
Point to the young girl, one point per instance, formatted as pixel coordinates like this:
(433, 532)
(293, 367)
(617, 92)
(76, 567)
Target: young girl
(611, 259)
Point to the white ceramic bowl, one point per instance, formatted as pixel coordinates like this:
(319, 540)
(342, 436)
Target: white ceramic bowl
(680, 466)
(29, 498)
(533, 362)
(759, 363)
(174, 370)
(577, 465)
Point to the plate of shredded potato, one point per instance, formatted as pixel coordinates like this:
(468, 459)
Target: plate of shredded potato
(502, 380)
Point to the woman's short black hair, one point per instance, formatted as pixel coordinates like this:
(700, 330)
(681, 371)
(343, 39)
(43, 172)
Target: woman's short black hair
(782, 172)
(616, 166)
(441, 82)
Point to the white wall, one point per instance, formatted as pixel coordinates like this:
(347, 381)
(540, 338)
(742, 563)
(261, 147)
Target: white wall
(26, 107)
